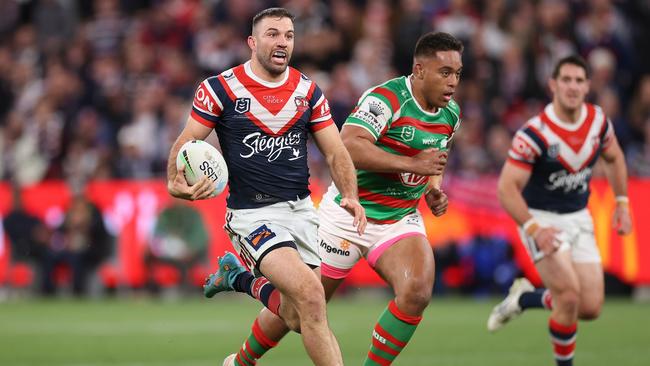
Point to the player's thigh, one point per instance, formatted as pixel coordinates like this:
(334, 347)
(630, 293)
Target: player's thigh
(408, 265)
(557, 272)
(339, 245)
(290, 275)
(592, 289)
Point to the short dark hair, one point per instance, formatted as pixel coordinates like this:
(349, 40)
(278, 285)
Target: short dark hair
(572, 60)
(433, 42)
(272, 12)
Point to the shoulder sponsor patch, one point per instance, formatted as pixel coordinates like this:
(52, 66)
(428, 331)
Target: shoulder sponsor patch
(260, 236)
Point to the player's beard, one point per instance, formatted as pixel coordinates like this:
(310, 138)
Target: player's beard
(267, 64)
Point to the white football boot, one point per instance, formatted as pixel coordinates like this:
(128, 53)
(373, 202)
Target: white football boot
(509, 308)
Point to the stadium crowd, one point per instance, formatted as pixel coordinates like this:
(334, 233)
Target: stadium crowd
(99, 89)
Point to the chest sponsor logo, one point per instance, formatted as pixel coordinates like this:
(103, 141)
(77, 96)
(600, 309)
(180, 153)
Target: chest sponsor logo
(567, 182)
(260, 236)
(272, 146)
(242, 105)
(440, 142)
(412, 180)
(408, 133)
(272, 99)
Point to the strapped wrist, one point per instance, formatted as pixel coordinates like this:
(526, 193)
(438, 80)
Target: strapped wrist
(622, 200)
(531, 226)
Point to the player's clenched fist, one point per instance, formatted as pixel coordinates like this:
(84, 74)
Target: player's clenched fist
(437, 201)
(429, 162)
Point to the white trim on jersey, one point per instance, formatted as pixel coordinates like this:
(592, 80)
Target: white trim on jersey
(574, 160)
(270, 120)
(365, 128)
(269, 84)
(524, 136)
(203, 110)
(213, 94)
(409, 87)
(550, 112)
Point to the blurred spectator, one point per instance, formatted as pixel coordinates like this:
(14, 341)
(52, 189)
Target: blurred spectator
(638, 155)
(21, 158)
(81, 243)
(180, 239)
(55, 21)
(29, 237)
(412, 22)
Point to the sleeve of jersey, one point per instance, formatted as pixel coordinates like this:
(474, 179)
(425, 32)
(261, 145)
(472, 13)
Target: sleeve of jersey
(456, 125)
(206, 107)
(524, 151)
(321, 116)
(607, 136)
(372, 113)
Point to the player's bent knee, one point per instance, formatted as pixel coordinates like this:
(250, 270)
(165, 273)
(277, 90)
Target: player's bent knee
(568, 300)
(290, 316)
(309, 301)
(589, 312)
(415, 297)
(293, 324)
(312, 309)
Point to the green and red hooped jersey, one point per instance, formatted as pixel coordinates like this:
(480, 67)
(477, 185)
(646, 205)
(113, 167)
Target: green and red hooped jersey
(400, 126)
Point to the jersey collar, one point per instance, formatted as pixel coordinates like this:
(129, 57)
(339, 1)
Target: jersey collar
(410, 89)
(249, 71)
(550, 112)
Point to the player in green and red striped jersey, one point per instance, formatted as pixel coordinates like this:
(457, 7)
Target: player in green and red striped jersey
(397, 136)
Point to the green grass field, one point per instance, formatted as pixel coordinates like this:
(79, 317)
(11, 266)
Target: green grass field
(201, 332)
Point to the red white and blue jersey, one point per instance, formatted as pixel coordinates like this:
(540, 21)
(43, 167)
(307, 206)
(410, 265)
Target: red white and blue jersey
(263, 129)
(560, 157)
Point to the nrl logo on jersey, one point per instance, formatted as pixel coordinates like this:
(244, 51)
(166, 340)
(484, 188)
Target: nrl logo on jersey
(242, 105)
(412, 180)
(408, 133)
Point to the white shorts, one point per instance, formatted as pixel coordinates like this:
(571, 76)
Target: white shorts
(341, 247)
(577, 235)
(256, 231)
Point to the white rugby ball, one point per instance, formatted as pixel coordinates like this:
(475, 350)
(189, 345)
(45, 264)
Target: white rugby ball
(203, 160)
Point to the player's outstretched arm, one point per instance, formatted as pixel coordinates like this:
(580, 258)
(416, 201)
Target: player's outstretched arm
(343, 173)
(368, 156)
(616, 172)
(176, 184)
